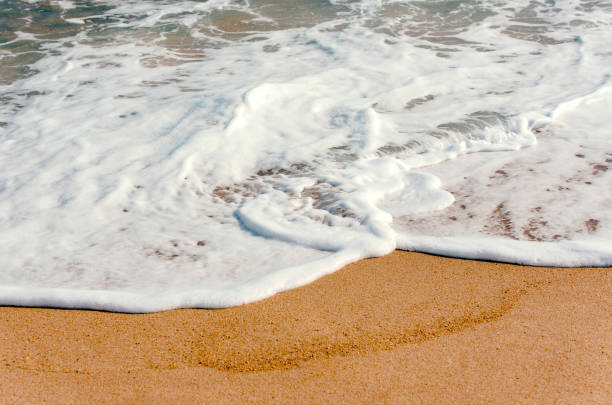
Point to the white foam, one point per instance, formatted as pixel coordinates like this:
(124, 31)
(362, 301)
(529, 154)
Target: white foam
(587, 252)
(173, 155)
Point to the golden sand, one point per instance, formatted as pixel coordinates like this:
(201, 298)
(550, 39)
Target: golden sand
(405, 328)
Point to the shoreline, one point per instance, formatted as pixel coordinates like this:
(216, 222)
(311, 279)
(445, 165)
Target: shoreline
(406, 327)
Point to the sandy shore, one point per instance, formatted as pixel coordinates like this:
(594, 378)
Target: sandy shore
(405, 328)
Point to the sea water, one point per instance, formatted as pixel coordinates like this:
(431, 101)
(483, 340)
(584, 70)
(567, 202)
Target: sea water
(165, 154)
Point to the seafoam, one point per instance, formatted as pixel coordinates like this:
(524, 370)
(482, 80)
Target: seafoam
(209, 154)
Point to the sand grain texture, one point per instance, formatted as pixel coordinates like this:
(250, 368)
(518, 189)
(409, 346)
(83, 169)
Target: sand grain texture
(405, 328)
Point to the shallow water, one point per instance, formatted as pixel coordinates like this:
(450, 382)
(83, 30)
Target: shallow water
(163, 154)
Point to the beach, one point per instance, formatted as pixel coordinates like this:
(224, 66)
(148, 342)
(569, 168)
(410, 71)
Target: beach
(221, 201)
(403, 328)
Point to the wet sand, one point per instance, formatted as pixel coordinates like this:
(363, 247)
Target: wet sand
(405, 328)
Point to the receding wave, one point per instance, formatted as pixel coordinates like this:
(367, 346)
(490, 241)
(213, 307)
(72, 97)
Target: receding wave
(171, 154)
